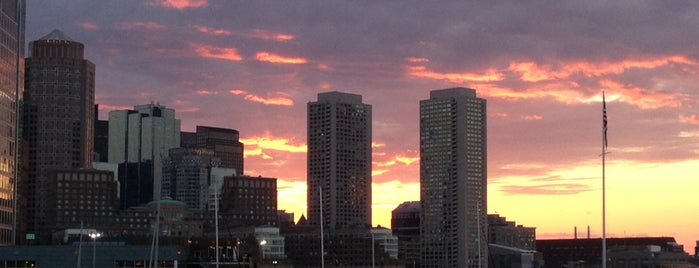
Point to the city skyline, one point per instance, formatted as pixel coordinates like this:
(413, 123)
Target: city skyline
(254, 66)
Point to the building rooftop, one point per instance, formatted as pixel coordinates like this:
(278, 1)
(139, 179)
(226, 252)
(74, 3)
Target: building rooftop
(56, 35)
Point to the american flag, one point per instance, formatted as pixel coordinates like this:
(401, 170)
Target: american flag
(604, 120)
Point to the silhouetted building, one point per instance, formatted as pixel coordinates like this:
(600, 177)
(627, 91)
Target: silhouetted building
(186, 174)
(11, 89)
(223, 141)
(507, 233)
(510, 257)
(346, 247)
(225, 144)
(248, 201)
(632, 251)
(285, 219)
(453, 179)
(80, 198)
(188, 140)
(58, 117)
(339, 160)
(142, 136)
(405, 223)
(101, 138)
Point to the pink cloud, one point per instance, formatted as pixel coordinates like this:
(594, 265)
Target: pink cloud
(689, 119)
(262, 34)
(211, 31)
(148, 25)
(224, 53)
(205, 92)
(256, 145)
(179, 4)
(274, 58)
(278, 98)
(416, 60)
(88, 25)
(546, 189)
(423, 72)
(533, 117)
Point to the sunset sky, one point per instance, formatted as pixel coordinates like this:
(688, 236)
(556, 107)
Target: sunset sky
(542, 66)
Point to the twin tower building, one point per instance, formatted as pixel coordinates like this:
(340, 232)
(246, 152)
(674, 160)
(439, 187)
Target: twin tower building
(453, 171)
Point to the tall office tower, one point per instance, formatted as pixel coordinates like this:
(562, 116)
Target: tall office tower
(248, 201)
(186, 175)
(453, 179)
(58, 109)
(11, 88)
(139, 139)
(224, 142)
(339, 160)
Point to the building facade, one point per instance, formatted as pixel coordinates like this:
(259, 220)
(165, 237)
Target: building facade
(339, 160)
(11, 89)
(81, 198)
(58, 116)
(142, 136)
(405, 224)
(248, 201)
(225, 144)
(508, 233)
(186, 174)
(453, 179)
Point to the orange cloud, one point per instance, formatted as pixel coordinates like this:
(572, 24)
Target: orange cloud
(279, 99)
(407, 160)
(423, 72)
(266, 35)
(274, 58)
(375, 144)
(179, 4)
(643, 98)
(530, 71)
(546, 189)
(205, 92)
(689, 119)
(416, 60)
(237, 91)
(533, 72)
(377, 172)
(532, 117)
(149, 25)
(107, 107)
(224, 53)
(258, 144)
(88, 25)
(211, 31)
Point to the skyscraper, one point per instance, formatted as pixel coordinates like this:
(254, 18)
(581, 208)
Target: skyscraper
(11, 88)
(58, 116)
(139, 139)
(339, 160)
(453, 179)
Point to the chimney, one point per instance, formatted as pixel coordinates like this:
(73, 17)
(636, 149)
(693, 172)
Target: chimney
(575, 231)
(588, 232)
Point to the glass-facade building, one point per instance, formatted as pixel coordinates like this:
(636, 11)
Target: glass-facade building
(339, 160)
(11, 88)
(453, 179)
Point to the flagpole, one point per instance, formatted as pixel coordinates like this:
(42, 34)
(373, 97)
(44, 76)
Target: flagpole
(604, 196)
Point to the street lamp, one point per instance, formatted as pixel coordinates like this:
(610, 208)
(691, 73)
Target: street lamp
(262, 250)
(94, 237)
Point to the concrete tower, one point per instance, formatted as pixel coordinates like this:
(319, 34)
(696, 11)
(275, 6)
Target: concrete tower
(453, 179)
(339, 160)
(58, 117)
